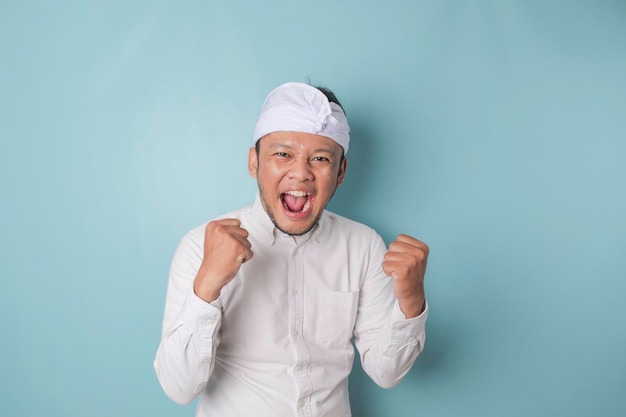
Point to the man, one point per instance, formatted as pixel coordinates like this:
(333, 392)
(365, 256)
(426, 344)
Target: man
(263, 303)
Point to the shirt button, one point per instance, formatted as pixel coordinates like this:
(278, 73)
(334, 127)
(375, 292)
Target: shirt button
(294, 292)
(294, 332)
(299, 368)
(301, 403)
(210, 322)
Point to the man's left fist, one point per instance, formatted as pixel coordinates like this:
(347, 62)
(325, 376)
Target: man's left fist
(405, 262)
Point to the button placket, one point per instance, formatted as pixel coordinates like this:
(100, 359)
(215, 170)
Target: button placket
(296, 313)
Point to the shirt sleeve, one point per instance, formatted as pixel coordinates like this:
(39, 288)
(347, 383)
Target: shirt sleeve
(387, 341)
(190, 333)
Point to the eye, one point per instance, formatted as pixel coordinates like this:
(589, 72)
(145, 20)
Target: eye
(281, 154)
(321, 159)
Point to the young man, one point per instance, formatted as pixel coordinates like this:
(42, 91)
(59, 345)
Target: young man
(263, 303)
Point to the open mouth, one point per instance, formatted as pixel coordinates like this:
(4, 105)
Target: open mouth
(296, 203)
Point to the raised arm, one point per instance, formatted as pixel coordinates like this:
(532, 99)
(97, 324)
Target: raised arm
(206, 260)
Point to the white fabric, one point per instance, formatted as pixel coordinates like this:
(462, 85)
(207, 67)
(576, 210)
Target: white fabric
(298, 107)
(278, 340)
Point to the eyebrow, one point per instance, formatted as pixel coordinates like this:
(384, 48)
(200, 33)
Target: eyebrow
(290, 146)
(281, 145)
(329, 150)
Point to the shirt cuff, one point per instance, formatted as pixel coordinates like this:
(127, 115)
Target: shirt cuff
(201, 315)
(404, 333)
(402, 326)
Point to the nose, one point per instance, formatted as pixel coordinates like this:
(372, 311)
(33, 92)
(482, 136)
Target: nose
(301, 170)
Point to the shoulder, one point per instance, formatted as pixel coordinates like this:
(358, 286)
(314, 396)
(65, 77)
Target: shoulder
(345, 223)
(337, 224)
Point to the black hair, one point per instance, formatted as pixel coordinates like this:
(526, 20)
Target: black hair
(330, 96)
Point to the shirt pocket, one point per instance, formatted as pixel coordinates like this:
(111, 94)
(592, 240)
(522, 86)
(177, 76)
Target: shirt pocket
(337, 314)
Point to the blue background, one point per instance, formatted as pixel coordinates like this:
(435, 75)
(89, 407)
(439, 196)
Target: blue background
(494, 131)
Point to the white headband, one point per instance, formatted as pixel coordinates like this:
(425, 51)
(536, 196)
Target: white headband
(298, 107)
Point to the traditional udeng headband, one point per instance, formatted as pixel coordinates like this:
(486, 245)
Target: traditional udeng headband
(298, 107)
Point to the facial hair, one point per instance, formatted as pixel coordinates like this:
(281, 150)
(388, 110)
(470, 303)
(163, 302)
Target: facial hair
(272, 217)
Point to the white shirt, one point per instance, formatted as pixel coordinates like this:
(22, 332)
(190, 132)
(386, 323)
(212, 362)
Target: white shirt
(278, 341)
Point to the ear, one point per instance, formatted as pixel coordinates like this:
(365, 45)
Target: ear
(342, 171)
(253, 162)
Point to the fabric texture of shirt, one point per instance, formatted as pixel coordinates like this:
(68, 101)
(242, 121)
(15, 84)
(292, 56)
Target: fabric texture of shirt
(278, 340)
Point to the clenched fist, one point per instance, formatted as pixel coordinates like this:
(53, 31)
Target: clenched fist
(226, 247)
(405, 262)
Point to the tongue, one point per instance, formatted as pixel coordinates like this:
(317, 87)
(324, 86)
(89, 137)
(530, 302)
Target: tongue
(295, 203)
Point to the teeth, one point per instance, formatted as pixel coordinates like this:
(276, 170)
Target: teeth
(297, 193)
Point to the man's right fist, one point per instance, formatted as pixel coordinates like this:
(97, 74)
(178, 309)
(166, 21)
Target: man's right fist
(226, 247)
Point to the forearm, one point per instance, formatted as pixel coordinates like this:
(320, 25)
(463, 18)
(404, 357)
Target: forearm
(388, 354)
(186, 355)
